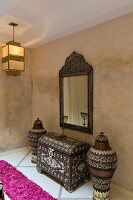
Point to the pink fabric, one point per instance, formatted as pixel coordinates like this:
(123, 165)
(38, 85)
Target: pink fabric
(18, 187)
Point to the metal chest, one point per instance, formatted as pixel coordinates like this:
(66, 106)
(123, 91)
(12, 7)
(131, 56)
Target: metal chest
(64, 158)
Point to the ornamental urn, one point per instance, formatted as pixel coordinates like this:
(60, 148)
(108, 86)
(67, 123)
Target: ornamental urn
(1, 191)
(102, 162)
(34, 134)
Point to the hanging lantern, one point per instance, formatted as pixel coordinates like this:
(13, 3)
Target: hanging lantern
(13, 56)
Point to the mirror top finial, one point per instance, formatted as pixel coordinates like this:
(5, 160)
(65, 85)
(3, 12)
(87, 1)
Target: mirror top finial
(75, 65)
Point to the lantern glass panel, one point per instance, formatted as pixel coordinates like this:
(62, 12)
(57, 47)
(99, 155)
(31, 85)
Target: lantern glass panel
(5, 51)
(16, 50)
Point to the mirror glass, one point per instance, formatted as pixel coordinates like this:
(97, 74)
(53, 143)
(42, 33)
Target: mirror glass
(76, 100)
(76, 94)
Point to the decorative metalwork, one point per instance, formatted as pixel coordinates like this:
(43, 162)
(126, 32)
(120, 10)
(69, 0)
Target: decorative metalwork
(75, 65)
(34, 134)
(63, 158)
(1, 191)
(102, 162)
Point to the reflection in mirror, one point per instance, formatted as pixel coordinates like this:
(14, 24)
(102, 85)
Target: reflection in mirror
(76, 100)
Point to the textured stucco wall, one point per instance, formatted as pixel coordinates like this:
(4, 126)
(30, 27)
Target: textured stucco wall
(15, 107)
(109, 49)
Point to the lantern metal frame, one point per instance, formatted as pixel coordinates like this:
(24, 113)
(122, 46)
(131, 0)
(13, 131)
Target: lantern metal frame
(12, 70)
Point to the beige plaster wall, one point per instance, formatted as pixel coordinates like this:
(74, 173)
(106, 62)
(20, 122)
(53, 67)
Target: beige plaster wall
(109, 49)
(15, 107)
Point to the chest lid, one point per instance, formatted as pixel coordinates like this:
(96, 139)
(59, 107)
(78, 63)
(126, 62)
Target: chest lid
(63, 143)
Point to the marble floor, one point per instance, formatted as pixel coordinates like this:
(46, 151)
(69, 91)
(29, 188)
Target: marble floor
(20, 158)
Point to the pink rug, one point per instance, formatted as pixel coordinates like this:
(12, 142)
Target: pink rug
(18, 187)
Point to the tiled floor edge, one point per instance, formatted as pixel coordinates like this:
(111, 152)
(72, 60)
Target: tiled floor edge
(23, 158)
(14, 150)
(75, 199)
(60, 191)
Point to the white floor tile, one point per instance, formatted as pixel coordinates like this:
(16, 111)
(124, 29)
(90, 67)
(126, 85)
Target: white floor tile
(14, 156)
(84, 191)
(27, 161)
(75, 199)
(43, 181)
(6, 197)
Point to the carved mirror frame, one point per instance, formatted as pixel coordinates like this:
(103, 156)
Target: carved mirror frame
(75, 65)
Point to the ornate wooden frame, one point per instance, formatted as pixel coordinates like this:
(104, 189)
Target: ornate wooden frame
(75, 65)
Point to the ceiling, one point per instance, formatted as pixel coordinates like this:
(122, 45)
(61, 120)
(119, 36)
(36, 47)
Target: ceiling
(41, 21)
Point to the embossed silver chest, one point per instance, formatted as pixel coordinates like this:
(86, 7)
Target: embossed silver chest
(64, 158)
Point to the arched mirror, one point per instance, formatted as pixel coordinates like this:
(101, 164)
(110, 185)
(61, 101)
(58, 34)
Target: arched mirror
(76, 94)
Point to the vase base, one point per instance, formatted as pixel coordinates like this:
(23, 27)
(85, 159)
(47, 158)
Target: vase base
(101, 195)
(34, 159)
